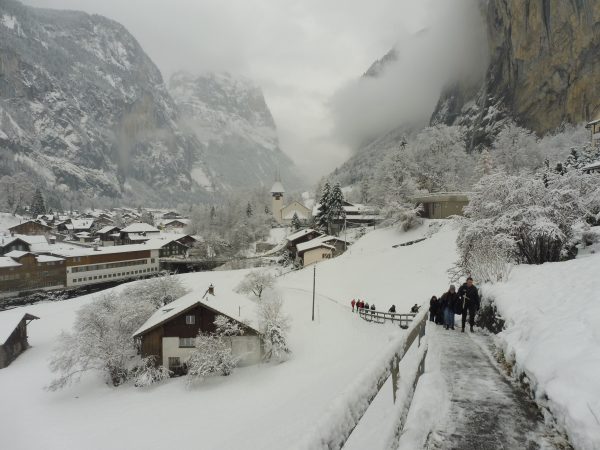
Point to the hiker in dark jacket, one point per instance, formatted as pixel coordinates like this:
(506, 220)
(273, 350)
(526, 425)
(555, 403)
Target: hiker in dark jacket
(449, 301)
(392, 309)
(469, 301)
(373, 307)
(433, 307)
(414, 309)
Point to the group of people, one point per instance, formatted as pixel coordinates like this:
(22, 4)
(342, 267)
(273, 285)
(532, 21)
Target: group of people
(361, 304)
(465, 302)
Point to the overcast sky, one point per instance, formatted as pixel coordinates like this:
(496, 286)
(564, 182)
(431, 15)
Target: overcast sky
(301, 52)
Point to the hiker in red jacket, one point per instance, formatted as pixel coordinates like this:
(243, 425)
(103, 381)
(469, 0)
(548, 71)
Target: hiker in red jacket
(353, 302)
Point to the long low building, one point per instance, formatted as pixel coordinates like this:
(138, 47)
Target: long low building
(23, 271)
(96, 265)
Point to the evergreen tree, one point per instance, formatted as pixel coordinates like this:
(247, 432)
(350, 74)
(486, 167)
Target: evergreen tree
(485, 164)
(249, 210)
(296, 224)
(37, 204)
(322, 217)
(336, 206)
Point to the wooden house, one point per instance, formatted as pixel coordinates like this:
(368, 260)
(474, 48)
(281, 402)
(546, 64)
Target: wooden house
(171, 215)
(594, 127)
(320, 248)
(13, 334)
(305, 235)
(8, 244)
(109, 235)
(30, 227)
(169, 334)
(23, 271)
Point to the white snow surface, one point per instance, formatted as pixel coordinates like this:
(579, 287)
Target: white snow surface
(553, 335)
(9, 321)
(266, 406)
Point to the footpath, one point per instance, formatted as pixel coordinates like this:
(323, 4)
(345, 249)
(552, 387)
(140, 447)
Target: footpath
(484, 409)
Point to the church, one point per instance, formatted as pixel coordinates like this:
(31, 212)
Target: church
(284, 214)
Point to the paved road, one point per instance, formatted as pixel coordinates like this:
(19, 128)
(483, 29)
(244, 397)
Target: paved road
(486, 410)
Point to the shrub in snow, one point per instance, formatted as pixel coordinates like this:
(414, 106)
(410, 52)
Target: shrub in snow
(516, 150)
(213, 354)
(518, 218)
(256, 282)
(404, 216)
(102, 335)
(274, 326)
(147, 373)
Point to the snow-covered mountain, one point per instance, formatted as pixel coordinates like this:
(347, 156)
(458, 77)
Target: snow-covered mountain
(85, 108)
(230, 117)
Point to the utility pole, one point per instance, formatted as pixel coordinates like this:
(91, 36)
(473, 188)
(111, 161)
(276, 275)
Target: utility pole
(345, 235)
(314, 282)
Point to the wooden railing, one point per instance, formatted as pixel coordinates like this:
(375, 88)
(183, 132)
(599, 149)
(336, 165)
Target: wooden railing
(403, 320)
(335, 428)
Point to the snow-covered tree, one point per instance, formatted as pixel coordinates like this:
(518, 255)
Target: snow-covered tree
(322, 217)
(335, 209)
(158, 291)
(516, 150)
(296, 224)
(274, 326)
(147, 217)
(256, 282)
(213, 354)
(249, 210)
(485, 164)
(37, 204)
(148, 373)
(102, 335)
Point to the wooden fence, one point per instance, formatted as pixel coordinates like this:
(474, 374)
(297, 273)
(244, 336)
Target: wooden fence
(403, 320)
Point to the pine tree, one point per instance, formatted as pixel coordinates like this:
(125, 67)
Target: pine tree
(485, 164)
(249, 210)
(322, 217)
(336, 206)
(37, 204)
(296, 224)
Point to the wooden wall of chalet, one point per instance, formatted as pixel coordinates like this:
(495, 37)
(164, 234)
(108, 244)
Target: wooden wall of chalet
(30, 228)
(32, 275)
(173, 248)
(151, 342)
(14, 345)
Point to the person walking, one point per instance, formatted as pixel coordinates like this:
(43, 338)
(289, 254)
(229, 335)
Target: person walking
(353, 302)
(415, 309)
(449, 300)
(470, 302)
(392, 309)
(433, 308)
(366, 305)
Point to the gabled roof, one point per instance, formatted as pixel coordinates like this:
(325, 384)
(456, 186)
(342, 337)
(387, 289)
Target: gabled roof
(9, 321)
(316, 241)
(32, 221)
(17, 254)
(312, 245)
(140, 227)
(6, 261)
(48, 258)
(298, 234)
(106, 229)
(229, 304)
(82, 224)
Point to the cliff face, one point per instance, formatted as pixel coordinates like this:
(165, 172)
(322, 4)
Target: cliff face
(544, 69)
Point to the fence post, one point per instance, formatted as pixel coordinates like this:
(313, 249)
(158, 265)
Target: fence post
(395, 366)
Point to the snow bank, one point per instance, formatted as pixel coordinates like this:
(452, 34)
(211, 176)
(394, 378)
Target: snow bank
(552, 314)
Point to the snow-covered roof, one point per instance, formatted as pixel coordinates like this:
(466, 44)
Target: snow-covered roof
(83, 234)
(82, 224)
(593, 122)
(312, 245)
(316, 242)
(6, 261)
(181, 220)
(140, 227)
(9, 321)
(74, 251)
(138, 237)
(277, 188)
(30, 221)
(106, 229)
(594, 165)
(47, 258)
(226, 302)
(16, 254)
(298, 234)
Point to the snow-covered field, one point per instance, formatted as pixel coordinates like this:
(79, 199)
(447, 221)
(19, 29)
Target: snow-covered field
(258, 407)
(553, 336)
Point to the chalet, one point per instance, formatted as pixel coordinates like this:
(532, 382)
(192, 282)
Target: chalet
(441, 205)
(23, 271)
(355, 214)
(299, 237)
(109, 235)
(169, 334)
(168, 246)
(138, 232)
(175, 224)
(97, 265)
(23, 243)
(594, 127)
(13, 334)
(85, 225)
(171, 215)
(320, 248)
(30, 227)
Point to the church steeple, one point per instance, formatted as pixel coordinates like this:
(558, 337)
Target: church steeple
(277, 192)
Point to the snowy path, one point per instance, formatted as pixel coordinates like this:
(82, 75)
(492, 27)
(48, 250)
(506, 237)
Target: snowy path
(485, 411)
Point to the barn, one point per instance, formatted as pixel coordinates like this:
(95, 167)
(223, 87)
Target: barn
(169, 334)
(13, 334)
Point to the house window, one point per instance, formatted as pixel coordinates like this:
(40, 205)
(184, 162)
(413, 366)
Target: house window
(187, 342)
(190, 319)
(174, 362)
